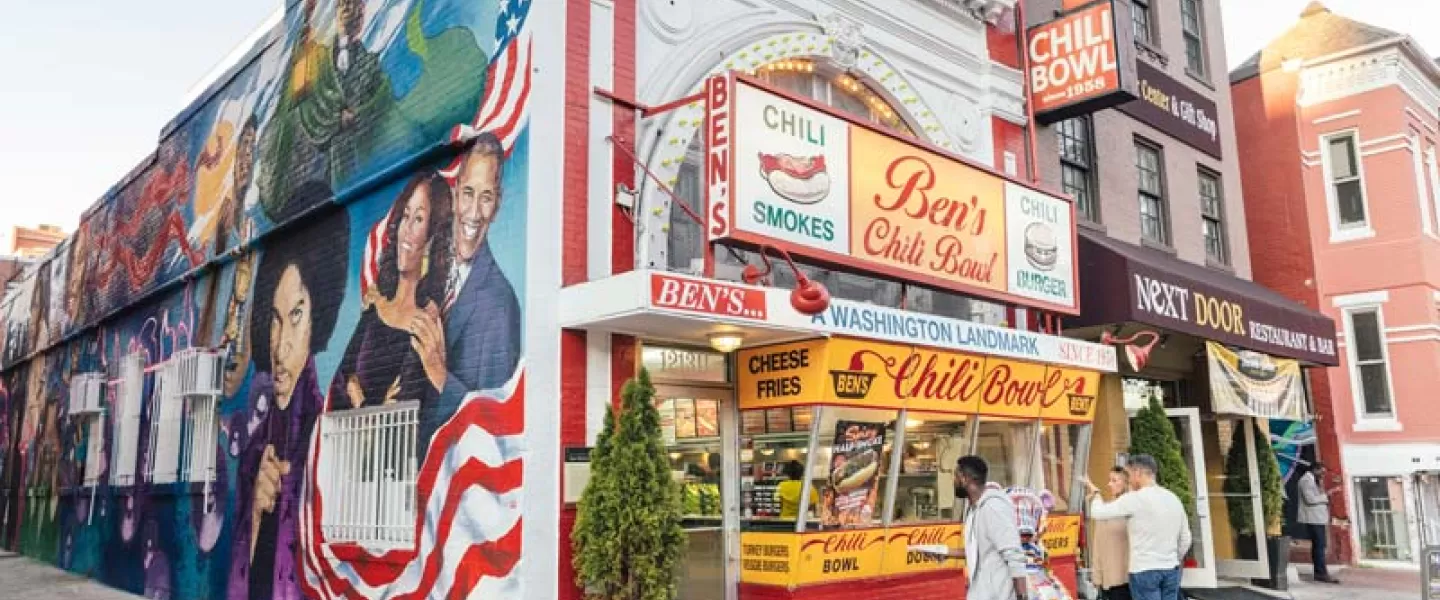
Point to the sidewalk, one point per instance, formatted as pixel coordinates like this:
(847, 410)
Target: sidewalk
(25, 579)
(1358, 583)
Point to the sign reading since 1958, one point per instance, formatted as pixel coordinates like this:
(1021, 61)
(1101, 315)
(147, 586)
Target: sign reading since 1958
(1081, 62)
(782, 172)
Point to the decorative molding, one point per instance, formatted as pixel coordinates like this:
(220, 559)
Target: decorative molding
(846, 38)
(988, 11)
(672, 20)
(1343, 78)
(1361, 299)
(1396, 137)
(1337, 117)
(1390, 148)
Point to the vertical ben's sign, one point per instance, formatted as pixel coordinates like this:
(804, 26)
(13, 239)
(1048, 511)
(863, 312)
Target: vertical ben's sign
(1081, 62)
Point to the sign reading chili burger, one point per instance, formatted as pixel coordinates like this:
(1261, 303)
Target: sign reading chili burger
(1081, 62)
(783, 172)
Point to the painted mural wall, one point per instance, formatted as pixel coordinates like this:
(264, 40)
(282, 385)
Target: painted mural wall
(343, 215)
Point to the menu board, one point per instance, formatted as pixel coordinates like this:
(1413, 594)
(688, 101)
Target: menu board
(667, 420)
(752, 422)
(684, 418)
(850, 493)
(803, 417)
(777, 420)
(707, 418)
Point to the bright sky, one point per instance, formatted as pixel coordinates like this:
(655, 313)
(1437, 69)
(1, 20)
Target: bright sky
(89, 83)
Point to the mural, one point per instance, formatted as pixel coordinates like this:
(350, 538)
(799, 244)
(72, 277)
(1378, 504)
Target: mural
(271, 226)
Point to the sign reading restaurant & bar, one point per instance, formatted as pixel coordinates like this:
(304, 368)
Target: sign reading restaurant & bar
(781, 171)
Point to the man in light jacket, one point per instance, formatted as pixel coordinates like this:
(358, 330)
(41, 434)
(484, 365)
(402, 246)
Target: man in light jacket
(1314, 514)
(1159, 530)
(994, 562)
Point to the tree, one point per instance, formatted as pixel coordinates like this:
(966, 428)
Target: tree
(1237, 483)
(628, 538)
(1153, 434)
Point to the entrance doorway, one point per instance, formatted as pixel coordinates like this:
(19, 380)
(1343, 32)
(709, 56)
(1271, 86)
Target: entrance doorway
(699, 429)
(1236, 505)
(1199, 566)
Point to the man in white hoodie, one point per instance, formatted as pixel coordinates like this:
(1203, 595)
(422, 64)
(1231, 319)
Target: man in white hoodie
(994, 561)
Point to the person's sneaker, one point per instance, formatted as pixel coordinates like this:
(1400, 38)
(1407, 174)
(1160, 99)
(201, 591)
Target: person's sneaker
(1327, 579)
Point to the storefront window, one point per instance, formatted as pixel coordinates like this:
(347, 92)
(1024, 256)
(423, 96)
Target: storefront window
(1009, 447)
(926, 487)
(850, 464)
(1384, 534)
(774, 449)
(1059, 445)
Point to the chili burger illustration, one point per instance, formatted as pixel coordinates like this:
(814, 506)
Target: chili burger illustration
(799, 179)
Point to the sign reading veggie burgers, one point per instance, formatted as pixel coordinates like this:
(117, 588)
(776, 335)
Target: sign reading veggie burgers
(783, 172)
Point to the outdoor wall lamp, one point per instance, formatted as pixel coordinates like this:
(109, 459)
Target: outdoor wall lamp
(809, 296)
(726, 341)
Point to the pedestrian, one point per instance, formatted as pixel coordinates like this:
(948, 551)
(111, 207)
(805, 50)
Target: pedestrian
(1158, 531)
(1314, 514)
(1110, 545)
(994, 561)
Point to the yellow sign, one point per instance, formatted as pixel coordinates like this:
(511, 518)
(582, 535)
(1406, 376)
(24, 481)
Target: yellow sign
(870, 374)
(799, 559)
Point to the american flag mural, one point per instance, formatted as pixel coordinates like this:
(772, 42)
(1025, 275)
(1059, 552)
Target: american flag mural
(468, 530)
(504, 110)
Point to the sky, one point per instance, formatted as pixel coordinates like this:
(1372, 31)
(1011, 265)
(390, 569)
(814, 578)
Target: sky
(88, 84)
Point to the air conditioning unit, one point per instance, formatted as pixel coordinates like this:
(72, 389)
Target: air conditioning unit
(86, 392)
(200, 372)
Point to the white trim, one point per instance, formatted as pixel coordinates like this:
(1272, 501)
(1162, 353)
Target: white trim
(1420, 119)
(1377, 425)
(1421, 189)
(1394, 137)
(1347, 310)
(600, 170)
(1360, 299)
(1419, 338)
(1353, 232)
(1390, 148)
(1336, 117)
(1433, 172)
(597, 383)
(1431, 327)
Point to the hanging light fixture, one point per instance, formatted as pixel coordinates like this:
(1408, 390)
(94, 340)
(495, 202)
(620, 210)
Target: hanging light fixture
(726, 342)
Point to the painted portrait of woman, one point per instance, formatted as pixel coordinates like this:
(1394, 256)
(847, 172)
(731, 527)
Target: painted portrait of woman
(381, 364)
(297, 292)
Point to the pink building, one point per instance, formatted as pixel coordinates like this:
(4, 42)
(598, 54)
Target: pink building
(1338, 127)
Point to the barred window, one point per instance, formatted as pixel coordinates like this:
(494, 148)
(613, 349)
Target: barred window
(371, 461)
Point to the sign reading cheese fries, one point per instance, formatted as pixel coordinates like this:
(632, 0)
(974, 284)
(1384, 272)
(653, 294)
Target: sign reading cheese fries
(784, 172)
(869, 374)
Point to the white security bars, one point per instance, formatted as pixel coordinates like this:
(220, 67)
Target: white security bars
(182, 425)
(370, 465)
(166, 412)
(87, 410)
(130, 385)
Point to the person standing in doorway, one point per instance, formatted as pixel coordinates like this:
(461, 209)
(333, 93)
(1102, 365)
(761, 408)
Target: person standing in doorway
(1158, 530)
(994, 561)
(1314, 514)
(1110, 545)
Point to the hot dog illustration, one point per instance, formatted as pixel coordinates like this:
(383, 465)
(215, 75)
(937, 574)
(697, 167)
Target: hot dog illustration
(855, 472)
(799, 179)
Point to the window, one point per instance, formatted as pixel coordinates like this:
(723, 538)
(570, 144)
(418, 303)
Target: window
(87, 409)
(371, 462)
(1370, 370)
(1144, 23)
(1212, 216)
(1077, 164)
(1153, 219)
(1194, 37)
(127, 418)
(166, 410)
(1059, 445)
(1433, 169)
(1422, 190)
(1347, 190)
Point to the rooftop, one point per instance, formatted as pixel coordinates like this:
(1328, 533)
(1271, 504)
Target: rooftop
(1319, 32)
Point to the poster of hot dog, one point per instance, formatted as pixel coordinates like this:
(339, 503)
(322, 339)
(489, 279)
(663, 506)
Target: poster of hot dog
(851, 491)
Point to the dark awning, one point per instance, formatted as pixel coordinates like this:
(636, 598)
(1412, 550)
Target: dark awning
(1123, 283)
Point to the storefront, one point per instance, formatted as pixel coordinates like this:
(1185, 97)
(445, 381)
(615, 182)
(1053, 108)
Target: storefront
(1225, 357)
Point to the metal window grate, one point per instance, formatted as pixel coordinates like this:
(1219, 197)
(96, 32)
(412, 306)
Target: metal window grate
(130, 387)
(370, 460)
(198, 457)
(166, 416)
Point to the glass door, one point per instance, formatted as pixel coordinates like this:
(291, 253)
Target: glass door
(700, 437)
(1236, 507)
(1200, 564)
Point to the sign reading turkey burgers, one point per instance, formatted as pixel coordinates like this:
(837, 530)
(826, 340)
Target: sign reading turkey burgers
(850, 494)
(785, 173)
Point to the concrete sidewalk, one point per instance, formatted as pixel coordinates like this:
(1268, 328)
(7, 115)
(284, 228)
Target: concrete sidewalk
(1357, 583)
(25, 579)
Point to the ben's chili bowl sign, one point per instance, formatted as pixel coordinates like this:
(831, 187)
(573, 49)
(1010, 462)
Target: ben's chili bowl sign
(782, 172)
(1075, 59)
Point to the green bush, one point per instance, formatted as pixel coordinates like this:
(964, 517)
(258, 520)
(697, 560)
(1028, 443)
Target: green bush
(628, 538)
(1152, 433)
(1237, 483)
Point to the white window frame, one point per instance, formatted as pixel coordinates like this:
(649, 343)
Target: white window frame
(87, 409)
(1422, 189)
(129, 398)
(370, 511)
(1350, 305)
(1348, 233)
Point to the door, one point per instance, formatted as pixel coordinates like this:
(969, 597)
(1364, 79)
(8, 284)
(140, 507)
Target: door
(1236, 506)
(1200, 565)
(702, 444)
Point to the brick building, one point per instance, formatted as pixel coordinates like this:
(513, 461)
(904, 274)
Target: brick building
(1338, 122)
(34, 242)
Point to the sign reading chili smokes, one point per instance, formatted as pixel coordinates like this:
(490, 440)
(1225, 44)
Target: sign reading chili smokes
(1081, 62)
(782, 172)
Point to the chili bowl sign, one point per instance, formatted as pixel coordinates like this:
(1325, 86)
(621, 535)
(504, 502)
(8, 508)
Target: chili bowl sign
(783, 172)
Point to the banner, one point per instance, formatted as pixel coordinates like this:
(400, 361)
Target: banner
(850, 494)
(1255, 385)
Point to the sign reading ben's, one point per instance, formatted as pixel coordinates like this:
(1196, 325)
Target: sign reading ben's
(1081, 62)
(783, 172)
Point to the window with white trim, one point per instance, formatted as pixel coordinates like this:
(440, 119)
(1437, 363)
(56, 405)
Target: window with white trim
(87, 410)
(370, 461)
(129, 384)
(1370, 368)
(1347, 190)
(1192, 26)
